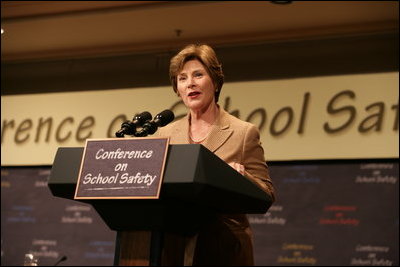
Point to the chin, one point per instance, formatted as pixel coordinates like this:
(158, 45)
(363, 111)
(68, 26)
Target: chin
(195, 106)
(198, 104)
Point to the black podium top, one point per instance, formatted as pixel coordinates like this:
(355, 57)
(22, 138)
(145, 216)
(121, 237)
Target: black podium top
(196, 184)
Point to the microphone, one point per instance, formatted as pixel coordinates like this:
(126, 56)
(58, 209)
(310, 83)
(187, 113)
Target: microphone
(129, 127)
(160, 120)
(63, 258)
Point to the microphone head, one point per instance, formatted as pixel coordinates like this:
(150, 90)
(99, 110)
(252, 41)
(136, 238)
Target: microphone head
(164, 117)
(141, 118)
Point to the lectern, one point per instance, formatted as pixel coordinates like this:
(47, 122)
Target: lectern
(196, 185)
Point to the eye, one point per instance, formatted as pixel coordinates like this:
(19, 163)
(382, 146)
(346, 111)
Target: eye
(181, 78)
(199, 74)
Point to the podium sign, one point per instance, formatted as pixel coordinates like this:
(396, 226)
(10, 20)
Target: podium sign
(122, 168)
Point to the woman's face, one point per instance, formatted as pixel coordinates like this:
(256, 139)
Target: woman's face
(195, 86)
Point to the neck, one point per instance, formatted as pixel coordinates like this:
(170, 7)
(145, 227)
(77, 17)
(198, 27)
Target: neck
(204, 117)
(201, 123)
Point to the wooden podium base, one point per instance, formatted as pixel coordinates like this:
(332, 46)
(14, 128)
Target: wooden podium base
(145, 248)
(134, 248)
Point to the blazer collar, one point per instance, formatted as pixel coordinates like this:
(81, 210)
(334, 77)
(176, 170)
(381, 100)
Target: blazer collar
(219, 133)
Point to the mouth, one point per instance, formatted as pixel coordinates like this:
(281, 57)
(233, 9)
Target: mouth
(194, 94)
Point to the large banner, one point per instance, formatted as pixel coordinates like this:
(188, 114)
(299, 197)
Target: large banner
(327, 213)
(332, 117)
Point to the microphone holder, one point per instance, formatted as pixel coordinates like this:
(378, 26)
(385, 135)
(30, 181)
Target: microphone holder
(127, 127)
(149, 127)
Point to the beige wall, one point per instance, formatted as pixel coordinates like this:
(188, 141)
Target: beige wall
(372, 98)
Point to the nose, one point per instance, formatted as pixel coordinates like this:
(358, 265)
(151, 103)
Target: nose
(191, 82)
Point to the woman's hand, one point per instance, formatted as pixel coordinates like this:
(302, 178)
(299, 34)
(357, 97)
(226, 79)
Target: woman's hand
(238, 167)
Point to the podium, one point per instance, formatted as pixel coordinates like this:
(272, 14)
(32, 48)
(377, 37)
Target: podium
(196, 185)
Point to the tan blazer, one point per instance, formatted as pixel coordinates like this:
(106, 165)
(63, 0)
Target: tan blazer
(228, 241)
(231, 139)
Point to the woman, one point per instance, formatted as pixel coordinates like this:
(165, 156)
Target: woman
(197, 78)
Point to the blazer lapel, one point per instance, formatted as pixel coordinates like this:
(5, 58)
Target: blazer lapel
(220, 132)
(180, 135)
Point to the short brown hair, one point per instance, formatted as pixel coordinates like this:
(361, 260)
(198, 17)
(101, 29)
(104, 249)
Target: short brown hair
(206, 55)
